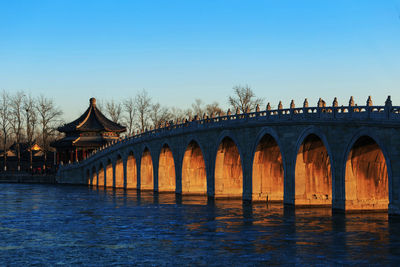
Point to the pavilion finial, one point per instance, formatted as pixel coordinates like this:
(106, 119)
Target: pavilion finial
(92, 101)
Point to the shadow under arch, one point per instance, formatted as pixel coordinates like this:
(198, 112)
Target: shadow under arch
(131, 171)
(146, 170)
(268, 170)
(367, 174)
(166, 170)
(313, 169)
(228, 171)
(119, 172)
(194, 175)
(109, 174)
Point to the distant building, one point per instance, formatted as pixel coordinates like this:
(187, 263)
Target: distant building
(31, 158)
(90, 131)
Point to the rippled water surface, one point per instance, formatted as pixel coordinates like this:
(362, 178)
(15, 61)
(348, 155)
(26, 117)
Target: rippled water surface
(44, 224)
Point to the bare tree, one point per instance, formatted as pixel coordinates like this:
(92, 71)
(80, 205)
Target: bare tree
(129, 108)
(30, 118)
(244, 99)
(159, 114)
(49, 117)
(142, 106)
(114, 110)
(177, 113)
(213, 108)
(16, 104)
(5, 123)
(198, 107)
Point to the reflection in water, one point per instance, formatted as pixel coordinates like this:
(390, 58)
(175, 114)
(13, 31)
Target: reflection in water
(96, 226)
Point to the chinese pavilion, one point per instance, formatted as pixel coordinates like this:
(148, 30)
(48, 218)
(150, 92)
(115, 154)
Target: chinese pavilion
(85, 134)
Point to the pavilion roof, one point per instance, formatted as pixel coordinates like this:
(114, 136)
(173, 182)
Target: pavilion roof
(92, 121)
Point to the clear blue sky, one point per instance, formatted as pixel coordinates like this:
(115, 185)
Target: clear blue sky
(182, 50)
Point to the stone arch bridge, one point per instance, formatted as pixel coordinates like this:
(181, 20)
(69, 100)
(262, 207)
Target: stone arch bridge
(347, 157)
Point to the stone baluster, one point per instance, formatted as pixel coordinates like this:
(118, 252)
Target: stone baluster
(369, 101)
(258, 108)
(351, 102)
(229, 113)
(237, 111)
(335, 103)
(280, 106)
(320, 103)
(388, 107)
(305, 103)
(268, 106)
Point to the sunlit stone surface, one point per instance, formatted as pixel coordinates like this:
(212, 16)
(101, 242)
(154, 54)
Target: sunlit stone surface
(166, 171)
(131, 172)
(109, 174)
(119, 173)
(366, 177)
(70, 225)
(228, 170)
(194, 177)
(313, 173)
(267, 171)
(146, 171)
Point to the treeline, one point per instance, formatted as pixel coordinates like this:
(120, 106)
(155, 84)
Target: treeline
(24, 118)
(140, 112)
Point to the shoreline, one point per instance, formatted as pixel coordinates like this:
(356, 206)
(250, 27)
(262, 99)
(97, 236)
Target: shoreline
(27, 178)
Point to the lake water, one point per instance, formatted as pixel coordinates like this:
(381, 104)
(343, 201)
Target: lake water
(48, 225)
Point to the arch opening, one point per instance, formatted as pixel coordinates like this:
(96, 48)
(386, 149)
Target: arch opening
(366, 177)
(194, 177)
(313, 175)
(268, 171)
(228, 171)
(94, 176)
(119, 173)
(166, 170)
(89, 182)
(101, 176)
(131, 172)
(109, 174)
(146, 171)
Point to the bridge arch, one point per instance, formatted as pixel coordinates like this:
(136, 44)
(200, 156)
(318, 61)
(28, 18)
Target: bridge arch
(313, 169)
(109, 173)
(119, 171)
(101, 178)
(367, 173)
(88, 176)
(94, 181)
(146, 170)
(228, 167)
(131, 171)
(166, 169)
(194, 173)
(268, 167)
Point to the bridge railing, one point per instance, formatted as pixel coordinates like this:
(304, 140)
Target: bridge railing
(387, 113)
